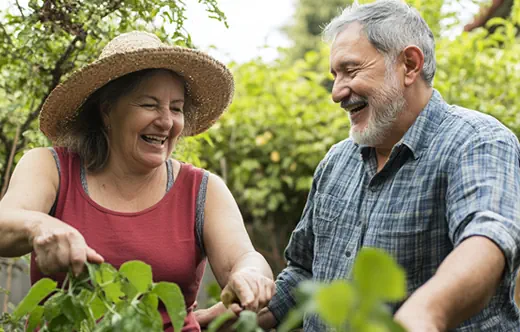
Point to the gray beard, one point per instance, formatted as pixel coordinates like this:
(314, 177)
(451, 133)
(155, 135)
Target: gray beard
(385, 108)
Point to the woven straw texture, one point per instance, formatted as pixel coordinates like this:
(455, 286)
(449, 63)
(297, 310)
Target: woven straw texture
(209, 84)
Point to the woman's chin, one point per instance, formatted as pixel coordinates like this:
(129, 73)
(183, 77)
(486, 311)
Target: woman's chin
(153, 160)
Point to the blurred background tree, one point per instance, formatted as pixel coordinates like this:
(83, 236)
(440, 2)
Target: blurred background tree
(282, 120)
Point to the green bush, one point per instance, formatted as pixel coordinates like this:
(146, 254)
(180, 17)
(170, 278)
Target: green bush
(103, 299)
(281, 123)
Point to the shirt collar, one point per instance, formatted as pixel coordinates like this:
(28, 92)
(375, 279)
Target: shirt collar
(420, 134)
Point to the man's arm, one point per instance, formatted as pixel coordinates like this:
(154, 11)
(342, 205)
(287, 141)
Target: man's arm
(482, 214)
(460, 289)
(299, 254)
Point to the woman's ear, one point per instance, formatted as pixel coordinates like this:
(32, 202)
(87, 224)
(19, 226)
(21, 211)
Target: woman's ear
(105, 111)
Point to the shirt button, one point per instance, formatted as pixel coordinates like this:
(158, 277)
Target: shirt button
(348, 254)
(373, 189)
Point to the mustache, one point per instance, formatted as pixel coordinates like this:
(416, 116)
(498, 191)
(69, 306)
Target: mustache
(346, 103)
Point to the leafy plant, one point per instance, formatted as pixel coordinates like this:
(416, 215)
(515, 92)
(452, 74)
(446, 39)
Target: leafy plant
(344, 305)
(357, 304)
(101, 299)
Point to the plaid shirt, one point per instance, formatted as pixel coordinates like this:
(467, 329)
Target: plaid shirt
(454, 174)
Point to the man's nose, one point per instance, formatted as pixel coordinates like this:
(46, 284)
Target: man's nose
(340, 91)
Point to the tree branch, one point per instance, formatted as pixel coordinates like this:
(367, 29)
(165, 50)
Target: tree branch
(3, 138)
(9, 40)
(20, 9)
(57, 73)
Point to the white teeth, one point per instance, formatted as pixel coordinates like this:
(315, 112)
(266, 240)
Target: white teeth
(158, 139)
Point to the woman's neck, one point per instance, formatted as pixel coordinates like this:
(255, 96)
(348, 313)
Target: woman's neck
(128, 183)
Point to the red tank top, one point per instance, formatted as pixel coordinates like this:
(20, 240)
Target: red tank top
(162, 235)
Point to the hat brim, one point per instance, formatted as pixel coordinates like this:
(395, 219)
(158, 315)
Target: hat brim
(209, 86)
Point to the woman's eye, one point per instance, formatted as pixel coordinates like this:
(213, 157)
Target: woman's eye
(176, 110)
(149, 105)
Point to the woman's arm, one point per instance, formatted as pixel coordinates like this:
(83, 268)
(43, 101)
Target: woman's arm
(24, 221)
(237, 266)
(30, 196)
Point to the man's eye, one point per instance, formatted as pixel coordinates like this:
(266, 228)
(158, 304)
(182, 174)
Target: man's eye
(176, 110)
(149, 105)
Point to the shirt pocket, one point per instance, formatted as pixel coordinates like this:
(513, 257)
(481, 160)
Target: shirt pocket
(408, 246)
(335, 238)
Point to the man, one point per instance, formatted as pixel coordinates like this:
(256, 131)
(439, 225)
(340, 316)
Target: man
(436, 186)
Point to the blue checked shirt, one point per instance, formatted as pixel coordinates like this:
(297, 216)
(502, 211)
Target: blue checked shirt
(454, 174)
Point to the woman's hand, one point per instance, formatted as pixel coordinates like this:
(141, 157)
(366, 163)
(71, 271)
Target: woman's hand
(249, 288)
(59, 246)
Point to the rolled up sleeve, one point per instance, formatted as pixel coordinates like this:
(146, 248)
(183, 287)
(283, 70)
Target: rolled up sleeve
(483, 196)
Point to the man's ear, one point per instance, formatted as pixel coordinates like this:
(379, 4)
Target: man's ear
(413, 60)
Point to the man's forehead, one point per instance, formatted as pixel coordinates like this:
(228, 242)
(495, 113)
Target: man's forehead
(352, 34)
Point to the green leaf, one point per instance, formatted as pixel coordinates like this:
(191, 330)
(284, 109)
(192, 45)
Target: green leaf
(113, 292)
(53, 306)
(292, 320)
(335, 302)
(219, 321)
(61, 324)
(372, 327)
(73, 310)
(35, 318)
(40, 290)
(378, 276)
(92, 301)
(139, 274)
(97, 307)
(246, 322)
(171, 295)
(129, 289)
(150, 300)
(104, 273)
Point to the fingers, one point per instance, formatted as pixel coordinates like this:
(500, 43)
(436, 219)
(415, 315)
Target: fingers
(254, 291)
(228, 295)
(94, 257)
(77, 253)
(244, 290)
(59, 246)
(235, 308)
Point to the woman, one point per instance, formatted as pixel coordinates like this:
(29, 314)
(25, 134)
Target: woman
(111, 188)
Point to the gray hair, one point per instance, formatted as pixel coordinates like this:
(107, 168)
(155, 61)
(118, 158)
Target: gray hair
(390, 26)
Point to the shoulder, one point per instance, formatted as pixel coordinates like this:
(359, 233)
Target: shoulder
(38, 157)
(39, 165)
(471, 134)
(473, 126)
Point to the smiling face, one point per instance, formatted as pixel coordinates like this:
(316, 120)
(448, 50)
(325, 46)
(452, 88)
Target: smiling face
(367, 87)
(146, 123)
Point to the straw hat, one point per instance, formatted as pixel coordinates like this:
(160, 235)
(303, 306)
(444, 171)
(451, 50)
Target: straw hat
(209, 84)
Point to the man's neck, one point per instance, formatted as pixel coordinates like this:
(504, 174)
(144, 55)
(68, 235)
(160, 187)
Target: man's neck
(416, 100)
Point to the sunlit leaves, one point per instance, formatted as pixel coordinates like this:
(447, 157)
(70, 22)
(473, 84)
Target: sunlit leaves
(94, 301)
(37, 293)
(378, 276)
